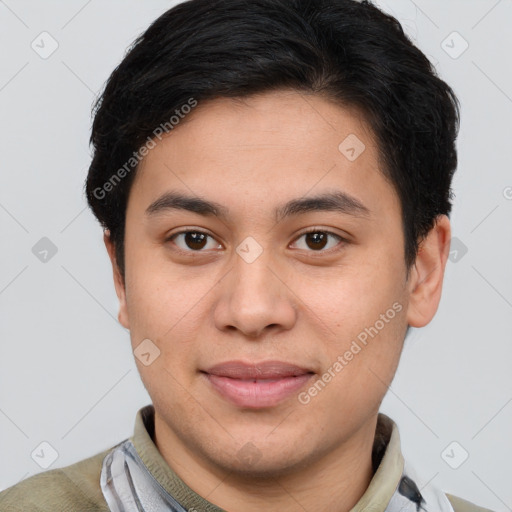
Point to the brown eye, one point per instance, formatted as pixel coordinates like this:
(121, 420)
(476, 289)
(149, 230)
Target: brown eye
(318, 240)
(194, 241)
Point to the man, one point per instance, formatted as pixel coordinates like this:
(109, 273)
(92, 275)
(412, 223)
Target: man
(273, 178)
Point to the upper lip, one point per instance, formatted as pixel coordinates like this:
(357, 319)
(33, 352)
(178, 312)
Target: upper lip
(261, 370)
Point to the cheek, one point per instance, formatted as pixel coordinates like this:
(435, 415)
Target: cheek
(353, 295)
(362, 312)
(167, 309)
(361, 364)
(159, 300)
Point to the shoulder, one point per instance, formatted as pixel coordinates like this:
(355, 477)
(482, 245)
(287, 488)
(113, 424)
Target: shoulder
(74, 487)
(460, 505)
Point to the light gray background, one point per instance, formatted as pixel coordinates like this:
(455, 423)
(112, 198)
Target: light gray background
(67, 375)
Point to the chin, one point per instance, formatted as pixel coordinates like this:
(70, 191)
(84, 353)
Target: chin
(263, 469)
(264, 460)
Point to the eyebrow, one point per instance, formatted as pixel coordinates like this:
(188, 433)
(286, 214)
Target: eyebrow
(331, 201)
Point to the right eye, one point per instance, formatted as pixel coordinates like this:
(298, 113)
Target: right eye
(194, 241)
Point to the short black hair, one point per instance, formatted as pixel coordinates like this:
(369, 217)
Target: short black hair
(348, 51)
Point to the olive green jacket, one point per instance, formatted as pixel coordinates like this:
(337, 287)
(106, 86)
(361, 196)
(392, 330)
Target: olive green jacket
(76, 488)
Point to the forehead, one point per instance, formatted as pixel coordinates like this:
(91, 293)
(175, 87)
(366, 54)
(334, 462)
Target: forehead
(267, 148)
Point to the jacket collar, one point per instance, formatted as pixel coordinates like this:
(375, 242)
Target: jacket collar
(387, 460)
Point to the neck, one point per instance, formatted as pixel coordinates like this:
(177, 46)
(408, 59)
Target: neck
(334, 482)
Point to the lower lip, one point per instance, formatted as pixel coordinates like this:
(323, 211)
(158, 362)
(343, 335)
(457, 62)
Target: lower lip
(260, 394)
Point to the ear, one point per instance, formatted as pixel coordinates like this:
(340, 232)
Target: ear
(118, 281)
(427, 273)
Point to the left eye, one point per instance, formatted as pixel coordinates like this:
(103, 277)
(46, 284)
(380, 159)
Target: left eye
(319, 240)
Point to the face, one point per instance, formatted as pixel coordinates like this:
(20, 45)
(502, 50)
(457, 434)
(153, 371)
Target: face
(276, 313)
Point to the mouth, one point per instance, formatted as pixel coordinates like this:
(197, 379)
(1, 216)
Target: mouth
(257, 385)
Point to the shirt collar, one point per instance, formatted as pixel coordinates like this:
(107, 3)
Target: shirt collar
(387, 459)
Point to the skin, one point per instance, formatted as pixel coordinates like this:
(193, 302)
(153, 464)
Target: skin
(294, 303)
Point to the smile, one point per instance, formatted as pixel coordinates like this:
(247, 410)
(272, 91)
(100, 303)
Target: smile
(258, 385)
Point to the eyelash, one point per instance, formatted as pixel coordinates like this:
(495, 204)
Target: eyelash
(311, 230)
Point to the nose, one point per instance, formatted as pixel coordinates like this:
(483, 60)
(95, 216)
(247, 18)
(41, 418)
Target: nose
(255, 298)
